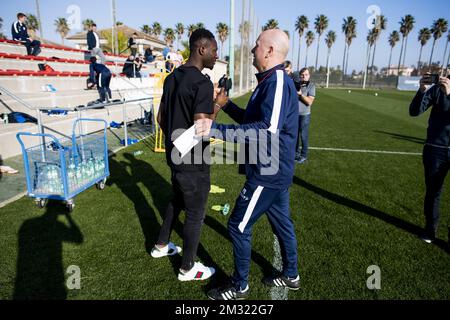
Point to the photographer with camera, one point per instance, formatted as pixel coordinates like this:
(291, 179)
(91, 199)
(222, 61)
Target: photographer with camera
(434, 92)
(306, 91)
(226, 83)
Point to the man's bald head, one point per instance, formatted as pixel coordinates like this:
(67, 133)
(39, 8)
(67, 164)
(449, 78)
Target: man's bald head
(271, 49)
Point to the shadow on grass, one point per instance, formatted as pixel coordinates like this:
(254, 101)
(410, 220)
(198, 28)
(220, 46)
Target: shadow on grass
(397, 222)
(161, 194)
(40, 273)
(403, 137)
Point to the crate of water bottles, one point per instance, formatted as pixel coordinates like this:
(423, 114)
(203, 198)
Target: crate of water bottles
(59, 169)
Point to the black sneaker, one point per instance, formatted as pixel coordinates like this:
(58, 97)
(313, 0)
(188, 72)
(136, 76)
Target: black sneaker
(228, 293)
(282, 281)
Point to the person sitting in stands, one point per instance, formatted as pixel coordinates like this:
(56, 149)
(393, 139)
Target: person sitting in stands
(20, 33)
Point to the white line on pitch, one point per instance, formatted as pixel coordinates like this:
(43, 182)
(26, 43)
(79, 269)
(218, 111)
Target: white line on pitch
(278, 293)
(367, 151)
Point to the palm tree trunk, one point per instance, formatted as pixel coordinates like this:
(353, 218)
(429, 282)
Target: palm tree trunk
(62, 39)
(373, 62)
(443, 58)
(299, 47)
(317, 53)
(400, 58)
(418, 63)
(346, 60)
(343, 62)
(404, 52)
(306, 58)
(431, 56)
(328, 67)
(389, 65)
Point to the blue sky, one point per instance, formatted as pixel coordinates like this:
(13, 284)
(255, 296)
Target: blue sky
(137, 13)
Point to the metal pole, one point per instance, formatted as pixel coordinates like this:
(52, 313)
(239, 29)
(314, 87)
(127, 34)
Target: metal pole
(366, 64)
(41, 131)
(231, 49)
(38, 12)
(250, 9)
(125, 129)
(241, 65)
(115, 41)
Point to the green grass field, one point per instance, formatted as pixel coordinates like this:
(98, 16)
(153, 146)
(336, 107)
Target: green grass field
(351, 210)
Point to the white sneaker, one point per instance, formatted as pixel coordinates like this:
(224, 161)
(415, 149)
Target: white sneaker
(198, 273)
(169, 250)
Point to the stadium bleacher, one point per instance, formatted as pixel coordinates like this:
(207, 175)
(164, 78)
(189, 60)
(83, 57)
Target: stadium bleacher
(20, 74)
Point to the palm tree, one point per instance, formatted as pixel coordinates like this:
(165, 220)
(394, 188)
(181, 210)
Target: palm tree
(349, 30)
(200, 25)
(2, 36)
(87, 23)
(32, 24)
(169, 36)
(330, 39)
(179, 30)
(394, 37)
(309, 40)
(424, 36)
(440, 26)
(300, 26)
(271, 24)
(156, 29)
(380, 25)
(406, 25)
(320, 24)
(222, 31)
(191, 29)
(146, 29)
(62, 27)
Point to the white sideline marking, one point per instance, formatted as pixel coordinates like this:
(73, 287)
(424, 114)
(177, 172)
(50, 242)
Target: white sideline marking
(278, 293)
(368, 151)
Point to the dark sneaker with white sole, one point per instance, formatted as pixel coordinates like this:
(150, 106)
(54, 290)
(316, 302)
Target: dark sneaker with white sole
(283, 282)
(228, 293)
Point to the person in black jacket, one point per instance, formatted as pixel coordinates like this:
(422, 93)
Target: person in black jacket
(100, 75)
(19, 33)
(93, 41)
(436, 153)
(132, 45)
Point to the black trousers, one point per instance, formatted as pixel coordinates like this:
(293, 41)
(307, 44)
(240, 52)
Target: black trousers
(190, 193)
(33, 47)
(436, 162)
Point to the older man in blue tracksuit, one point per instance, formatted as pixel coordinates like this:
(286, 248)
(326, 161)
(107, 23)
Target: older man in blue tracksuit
(100, 74)
(270, 119)
(19, 33)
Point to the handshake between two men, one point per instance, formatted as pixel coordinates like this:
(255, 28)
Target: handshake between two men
(203, 124)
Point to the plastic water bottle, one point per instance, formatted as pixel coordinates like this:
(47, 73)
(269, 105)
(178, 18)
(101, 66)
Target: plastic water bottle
(138, 153)
(226, 209)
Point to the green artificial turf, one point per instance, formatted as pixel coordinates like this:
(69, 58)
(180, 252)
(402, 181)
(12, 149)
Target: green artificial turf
(351, 211)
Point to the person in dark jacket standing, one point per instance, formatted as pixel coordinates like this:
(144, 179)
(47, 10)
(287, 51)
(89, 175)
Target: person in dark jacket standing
(132, 45)
(100, 75)
(19, 33)
(436, 153)
(268, 127)
(93, 41)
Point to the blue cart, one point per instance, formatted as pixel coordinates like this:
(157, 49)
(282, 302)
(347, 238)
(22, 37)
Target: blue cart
(61, 169)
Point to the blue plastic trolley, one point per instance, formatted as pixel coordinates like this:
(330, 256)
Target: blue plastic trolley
(61, 169)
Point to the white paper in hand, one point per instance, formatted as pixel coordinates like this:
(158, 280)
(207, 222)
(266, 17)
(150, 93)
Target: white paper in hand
(187, 141)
